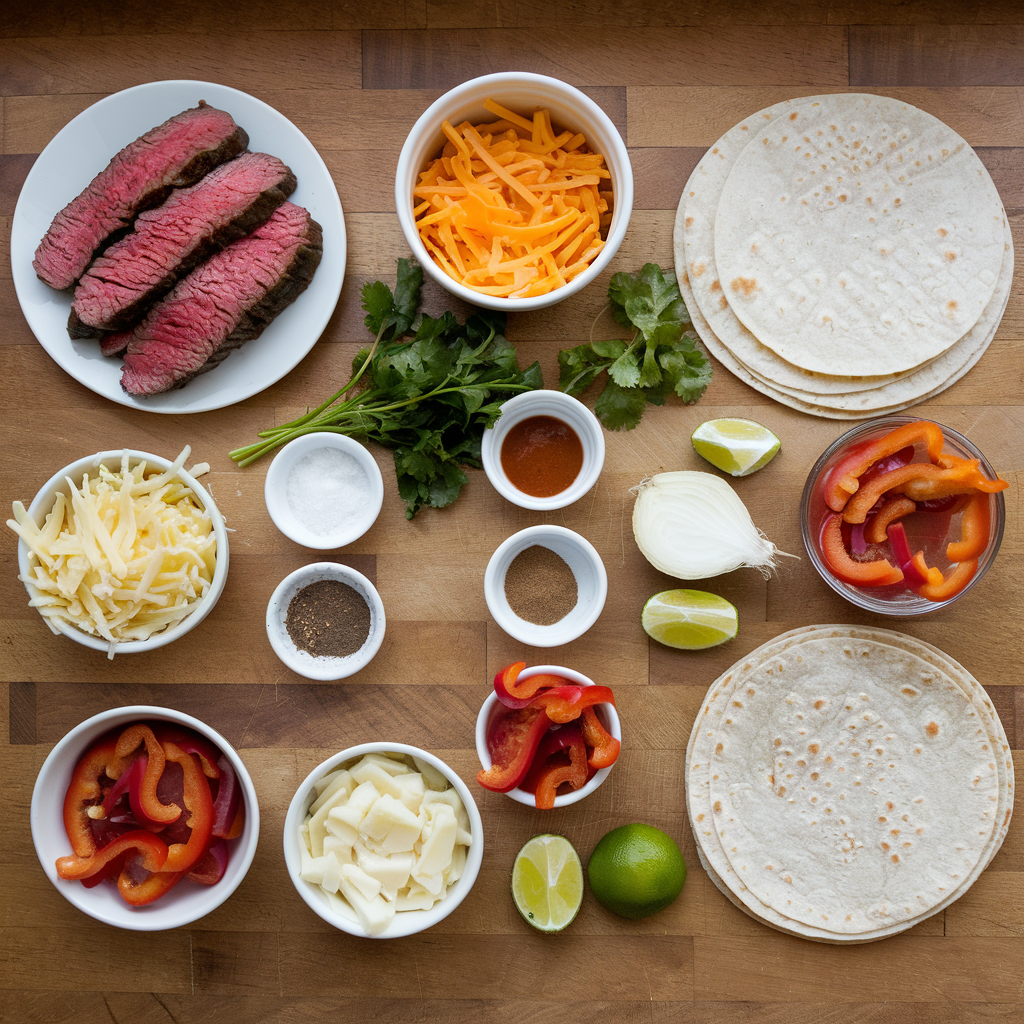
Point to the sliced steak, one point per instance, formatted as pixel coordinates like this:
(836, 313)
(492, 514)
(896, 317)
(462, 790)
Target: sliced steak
(175, 154)
(229, 299)
(119, 286)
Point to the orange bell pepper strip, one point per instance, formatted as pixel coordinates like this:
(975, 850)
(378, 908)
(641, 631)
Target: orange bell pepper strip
(920, 481)
(150, 850)
(843, 479)
(605, 746)
(961, 575)
(895, 508)
(199, 803)
(85, 791)
(150, 807)
(975, 529)
(575, 772)
(879, 573)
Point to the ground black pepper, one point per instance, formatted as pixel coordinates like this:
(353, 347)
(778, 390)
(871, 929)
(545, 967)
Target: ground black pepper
(328, 619)
(540, 587)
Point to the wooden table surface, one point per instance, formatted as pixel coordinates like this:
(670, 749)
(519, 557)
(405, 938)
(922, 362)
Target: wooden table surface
(353, 77)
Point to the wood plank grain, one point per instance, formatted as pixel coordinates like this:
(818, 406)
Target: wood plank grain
(743, 56)
(894, 55)
(254, 61)
(699, 116)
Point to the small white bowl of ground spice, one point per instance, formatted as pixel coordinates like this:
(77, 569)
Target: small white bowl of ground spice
(325, 621)
(324, 490)
(545, 586)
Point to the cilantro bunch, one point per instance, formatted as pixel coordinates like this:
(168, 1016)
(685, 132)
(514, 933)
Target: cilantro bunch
(428, 398)
(660, 358)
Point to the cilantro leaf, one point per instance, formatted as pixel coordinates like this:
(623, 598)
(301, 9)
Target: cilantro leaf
(427, 397)
(661, 357)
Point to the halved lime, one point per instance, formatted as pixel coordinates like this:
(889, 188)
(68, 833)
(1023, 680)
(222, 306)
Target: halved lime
(547, 882)
(690, 619)
(735, 446)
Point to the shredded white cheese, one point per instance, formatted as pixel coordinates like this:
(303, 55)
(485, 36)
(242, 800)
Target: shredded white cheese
(128, 554)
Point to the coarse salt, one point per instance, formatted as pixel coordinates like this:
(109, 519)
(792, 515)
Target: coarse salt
(327, 489)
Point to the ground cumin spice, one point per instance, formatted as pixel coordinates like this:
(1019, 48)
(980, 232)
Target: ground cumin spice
(328, 619)
(540, 587)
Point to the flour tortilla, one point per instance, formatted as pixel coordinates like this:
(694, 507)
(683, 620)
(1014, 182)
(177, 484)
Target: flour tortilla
(859, 235)
(900, 393)
(717, 705)
(693, 240)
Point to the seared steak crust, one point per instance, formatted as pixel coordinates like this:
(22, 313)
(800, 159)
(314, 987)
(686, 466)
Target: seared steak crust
(175, 154)
(168, 242)
(229, 299)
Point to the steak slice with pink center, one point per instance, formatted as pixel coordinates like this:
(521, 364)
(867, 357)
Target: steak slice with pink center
(228, 300)
(168, 242)
(175, 154)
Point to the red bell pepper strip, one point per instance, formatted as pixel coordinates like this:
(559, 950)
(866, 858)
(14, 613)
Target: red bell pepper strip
(565, 703)
(915, 572)
(199, 804)
(514, 692)
(512, 739)
(140, 893)
(557, 738)
(879, 573)
(891, 510)
(605, 746)
(150, 849)
(975, 529)
(85, 791)
(843, 480)
(553, 775)
(149, 806)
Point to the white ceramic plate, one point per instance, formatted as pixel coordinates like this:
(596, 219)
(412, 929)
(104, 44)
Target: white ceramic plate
(84, 147)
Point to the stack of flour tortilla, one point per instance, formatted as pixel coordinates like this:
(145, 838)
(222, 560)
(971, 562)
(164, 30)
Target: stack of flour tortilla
(846, 255)
(844, 783)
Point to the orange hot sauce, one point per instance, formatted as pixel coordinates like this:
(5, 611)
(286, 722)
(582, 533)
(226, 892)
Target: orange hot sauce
(541, 456)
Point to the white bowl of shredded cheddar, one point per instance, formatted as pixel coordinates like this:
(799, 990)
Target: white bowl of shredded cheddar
(122, 551)
(514, 191)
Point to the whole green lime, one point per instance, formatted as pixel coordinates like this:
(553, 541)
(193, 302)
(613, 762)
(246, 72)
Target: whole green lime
(636, 870)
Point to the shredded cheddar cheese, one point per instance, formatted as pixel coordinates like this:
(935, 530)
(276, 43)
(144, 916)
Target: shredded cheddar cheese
(122, 555)
(510, 208)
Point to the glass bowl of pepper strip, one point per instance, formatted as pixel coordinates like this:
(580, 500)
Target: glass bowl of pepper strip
(902, 516)
(144, 818)
(547, 736)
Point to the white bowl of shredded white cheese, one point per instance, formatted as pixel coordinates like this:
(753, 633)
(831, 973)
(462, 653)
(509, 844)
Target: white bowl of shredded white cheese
(122, 551)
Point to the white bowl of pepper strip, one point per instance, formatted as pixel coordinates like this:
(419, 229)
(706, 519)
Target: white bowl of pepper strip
(325, 621)
(545, 586)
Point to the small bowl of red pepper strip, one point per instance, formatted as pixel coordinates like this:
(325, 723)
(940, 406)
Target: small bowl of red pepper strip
(144, 818)
(902, 516)
(547, 736)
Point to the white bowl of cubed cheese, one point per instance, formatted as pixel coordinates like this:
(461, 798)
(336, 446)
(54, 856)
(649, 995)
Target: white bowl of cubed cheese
(383, 840)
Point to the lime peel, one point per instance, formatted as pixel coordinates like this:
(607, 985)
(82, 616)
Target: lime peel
(690, 620)
(736, 446)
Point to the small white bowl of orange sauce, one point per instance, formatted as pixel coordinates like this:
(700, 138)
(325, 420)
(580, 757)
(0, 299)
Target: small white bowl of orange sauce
(545, 452)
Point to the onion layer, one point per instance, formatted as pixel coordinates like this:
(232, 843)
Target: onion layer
(694, 525)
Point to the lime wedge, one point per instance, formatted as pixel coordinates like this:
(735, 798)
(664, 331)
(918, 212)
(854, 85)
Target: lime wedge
(738, 447)
(547, 882)
(689, 619)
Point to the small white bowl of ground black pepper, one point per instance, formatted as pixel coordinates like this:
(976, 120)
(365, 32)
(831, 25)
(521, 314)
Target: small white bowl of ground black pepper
(325, 621)
(545, 586)
(324, 490)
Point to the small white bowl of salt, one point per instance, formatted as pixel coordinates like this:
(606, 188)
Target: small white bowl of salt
(324, 490)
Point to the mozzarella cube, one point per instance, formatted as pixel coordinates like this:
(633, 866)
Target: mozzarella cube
(391, 824)
(367, 885)
(332, 873)
(435, 853)
(374, 915)
(363, 798)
